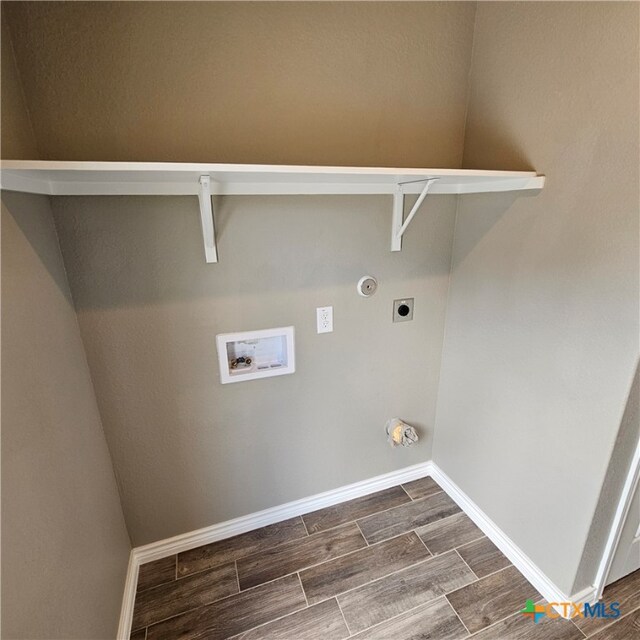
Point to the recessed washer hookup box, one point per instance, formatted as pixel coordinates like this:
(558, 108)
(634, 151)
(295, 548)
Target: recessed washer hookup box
(256, 354)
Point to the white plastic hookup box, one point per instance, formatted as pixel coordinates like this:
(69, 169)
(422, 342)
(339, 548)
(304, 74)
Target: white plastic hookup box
(256, 354)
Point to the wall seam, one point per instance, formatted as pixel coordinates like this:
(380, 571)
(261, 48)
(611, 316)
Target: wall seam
(469, 76)
(444, 332)
(453, 240)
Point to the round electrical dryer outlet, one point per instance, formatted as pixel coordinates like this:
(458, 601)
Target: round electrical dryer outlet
(403, 310)
(367, 286)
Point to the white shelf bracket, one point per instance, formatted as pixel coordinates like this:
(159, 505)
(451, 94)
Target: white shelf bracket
(206, 218)
(398, 227)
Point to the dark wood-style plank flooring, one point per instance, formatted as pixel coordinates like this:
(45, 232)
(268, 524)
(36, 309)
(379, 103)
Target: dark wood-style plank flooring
(401, 564)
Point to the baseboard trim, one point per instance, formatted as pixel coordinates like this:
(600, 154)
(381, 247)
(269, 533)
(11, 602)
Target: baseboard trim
(524, 564)
(207, 535)
(128, 598)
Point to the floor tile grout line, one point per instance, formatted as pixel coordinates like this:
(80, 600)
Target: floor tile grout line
(584, 635)
(287, 575)
(442, 595)
(348, 553)
(364, 584)
(183, 578)
(493, 573)
(304, 524)
(453, 515)
(361, 533)
(375, 513)
(368, 544)
(479, 580)
(411, 566)
(424, 544)
(497, 622)
(415, 528)
(466, 544)
(306, 567)
(433, 555)
(493, 624)
(399, 615)
(424, 497)
(255, 553)
(292, 613)
(304, 593)
(213, 566)
(175, 615)
(403, 488)
(235, 564)
(315, 564)
(510, 615)
(394, 617)
(160, 584)
(370, 547)
(398, 506)
(276, 619)
(208, 604)
(467, 565)
(404, 504)
(441, 553)
(457, 615)
(185, 611)
(609, 625)
(343, 616)
(264, 624)
(195, 573)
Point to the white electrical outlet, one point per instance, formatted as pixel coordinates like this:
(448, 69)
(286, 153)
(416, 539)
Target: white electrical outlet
(324, 319)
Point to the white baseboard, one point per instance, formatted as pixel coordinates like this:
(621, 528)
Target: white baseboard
(207, 535)
(517, 557)
(128, 598)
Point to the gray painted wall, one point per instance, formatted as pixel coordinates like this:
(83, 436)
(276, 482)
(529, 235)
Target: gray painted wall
(64, 543)
(541, 337)
(369, 83)
(190, 452)
(542, 326)
(359, 83)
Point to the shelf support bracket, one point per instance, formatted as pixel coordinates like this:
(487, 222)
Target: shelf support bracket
(206, 218)
(398, 227)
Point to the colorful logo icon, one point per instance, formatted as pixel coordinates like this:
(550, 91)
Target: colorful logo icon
(552, 610)
(534, 611)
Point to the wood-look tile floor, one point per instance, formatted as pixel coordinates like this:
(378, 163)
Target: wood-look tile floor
(401, 564)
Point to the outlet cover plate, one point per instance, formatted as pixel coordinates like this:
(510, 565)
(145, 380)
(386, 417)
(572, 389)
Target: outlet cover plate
(324, 319)
(403, 310)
